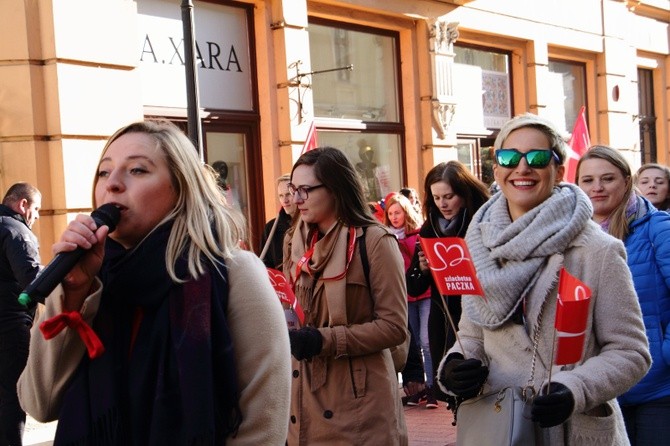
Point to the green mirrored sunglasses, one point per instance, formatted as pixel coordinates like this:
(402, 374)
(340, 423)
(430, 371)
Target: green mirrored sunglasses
(535, 158)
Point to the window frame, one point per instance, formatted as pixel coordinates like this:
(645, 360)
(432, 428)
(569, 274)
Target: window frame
(328, 124)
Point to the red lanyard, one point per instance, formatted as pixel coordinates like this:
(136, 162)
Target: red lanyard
(310, 252)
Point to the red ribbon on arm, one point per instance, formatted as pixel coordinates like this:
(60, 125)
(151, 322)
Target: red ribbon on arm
(51, 327)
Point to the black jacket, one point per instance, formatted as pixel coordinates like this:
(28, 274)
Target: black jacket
(440, 334)
(274, 256)
(417, 281)
(19, 264)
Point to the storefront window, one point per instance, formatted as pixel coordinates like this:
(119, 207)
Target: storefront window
(225, 153)
(357, 110)
(567, 92)
(486, 160)
(645, 94)
(484, 103)
(476, 154)
(369, 91)
(488, 82)
(465, 150)
(375, 156)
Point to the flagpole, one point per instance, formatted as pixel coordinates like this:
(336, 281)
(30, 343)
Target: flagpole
(453, 326)
(191, 69)
(551, 365)
(269, 240)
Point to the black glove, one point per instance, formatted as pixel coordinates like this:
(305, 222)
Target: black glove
(553, 408)
(463, 377)
(305, 342)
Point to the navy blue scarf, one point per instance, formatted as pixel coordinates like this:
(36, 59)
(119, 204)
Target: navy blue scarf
(177, 384)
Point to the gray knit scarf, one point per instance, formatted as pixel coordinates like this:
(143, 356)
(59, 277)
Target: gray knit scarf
(510, 255)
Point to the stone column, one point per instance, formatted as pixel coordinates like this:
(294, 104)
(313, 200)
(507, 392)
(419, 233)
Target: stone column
(442, 36)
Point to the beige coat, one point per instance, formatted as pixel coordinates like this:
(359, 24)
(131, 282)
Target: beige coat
(260, 339)
(359, 402)
(616, 351)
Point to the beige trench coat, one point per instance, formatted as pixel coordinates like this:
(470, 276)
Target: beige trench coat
(359, 403)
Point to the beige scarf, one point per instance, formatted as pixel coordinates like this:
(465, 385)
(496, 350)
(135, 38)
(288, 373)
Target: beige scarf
(328, 260)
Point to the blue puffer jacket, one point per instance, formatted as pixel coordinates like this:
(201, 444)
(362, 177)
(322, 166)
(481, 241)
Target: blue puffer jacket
(648, 248)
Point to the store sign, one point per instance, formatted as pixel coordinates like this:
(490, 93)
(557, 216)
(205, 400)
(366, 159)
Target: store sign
(222, 52)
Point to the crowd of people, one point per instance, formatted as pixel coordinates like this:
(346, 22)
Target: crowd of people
(193, 346)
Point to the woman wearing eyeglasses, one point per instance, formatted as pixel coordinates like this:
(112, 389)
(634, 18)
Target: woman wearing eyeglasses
(519, 241)
(605, 176)
(345, 388)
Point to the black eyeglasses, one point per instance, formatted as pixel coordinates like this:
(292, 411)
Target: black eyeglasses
(302, 191)
(536, 158)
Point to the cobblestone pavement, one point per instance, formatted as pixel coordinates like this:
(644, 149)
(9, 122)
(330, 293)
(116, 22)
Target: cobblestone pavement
(430, 427)
(426, 427)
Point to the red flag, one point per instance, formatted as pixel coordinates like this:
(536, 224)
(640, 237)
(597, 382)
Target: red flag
(572, 312)
(450, 264)
(579, 143)
(310, 140)
(379, 212)
(295, 317)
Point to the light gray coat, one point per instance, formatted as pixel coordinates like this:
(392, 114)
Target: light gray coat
(616, 350)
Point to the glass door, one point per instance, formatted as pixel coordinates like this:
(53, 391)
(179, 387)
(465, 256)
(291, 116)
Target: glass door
(477, 155)
(233, 151)
(226, 154)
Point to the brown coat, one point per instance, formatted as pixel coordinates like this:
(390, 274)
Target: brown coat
(359, 402)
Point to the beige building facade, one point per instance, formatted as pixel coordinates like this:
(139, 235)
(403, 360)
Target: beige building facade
(399, 85)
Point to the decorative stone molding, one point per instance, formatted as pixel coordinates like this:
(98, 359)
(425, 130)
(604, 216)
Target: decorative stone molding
(443, 114)
(442, 36)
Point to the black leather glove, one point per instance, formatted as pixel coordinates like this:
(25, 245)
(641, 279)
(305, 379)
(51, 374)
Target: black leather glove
(306, 342)
(554, 407)
(463, 377)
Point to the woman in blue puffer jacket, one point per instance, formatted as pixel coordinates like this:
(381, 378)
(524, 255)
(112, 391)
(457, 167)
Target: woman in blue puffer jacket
(605, 176)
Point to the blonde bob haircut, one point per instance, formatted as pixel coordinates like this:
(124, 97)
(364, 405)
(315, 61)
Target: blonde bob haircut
(412, 219)
(555, 139)
(205, 226)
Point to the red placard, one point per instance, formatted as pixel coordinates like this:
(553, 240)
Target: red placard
(451, 265)
(572, 312)
(295, 317)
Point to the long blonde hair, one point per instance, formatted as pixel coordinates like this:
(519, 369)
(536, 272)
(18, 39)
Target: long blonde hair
(618, 226)
(204, 225)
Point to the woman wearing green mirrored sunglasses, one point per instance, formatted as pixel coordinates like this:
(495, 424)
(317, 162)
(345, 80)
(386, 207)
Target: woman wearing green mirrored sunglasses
(520, 239)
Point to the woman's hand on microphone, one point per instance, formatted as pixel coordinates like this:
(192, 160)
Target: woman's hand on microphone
(81, 232)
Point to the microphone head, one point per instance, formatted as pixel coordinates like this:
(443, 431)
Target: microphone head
(108, 215)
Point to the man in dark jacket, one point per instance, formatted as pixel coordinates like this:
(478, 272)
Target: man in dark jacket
(273, 235)
(19, 264)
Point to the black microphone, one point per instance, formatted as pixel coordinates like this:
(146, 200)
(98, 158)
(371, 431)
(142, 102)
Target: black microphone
(60, 266)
